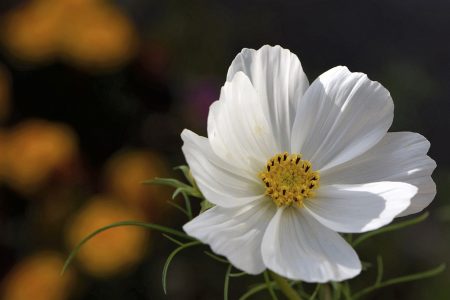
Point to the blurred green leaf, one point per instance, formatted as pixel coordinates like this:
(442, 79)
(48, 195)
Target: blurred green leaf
(256, 289)
(398, 280)
(269, 286)
(169, 260)
(392, 227)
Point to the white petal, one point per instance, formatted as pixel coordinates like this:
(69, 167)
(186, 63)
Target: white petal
(425, 194)
(220, 182)
(280, 82)
(298, 247)
(360, 207)
(235, 233)
(399, 156)
(341, 116)
(238, 130)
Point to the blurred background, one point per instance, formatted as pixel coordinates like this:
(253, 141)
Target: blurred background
(94, 95)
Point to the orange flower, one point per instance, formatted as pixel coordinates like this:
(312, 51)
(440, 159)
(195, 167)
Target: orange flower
(112, 251)
(34, 150)
(38, 278)
(31, 33)
(99, 37)
(123, 178)
(90, 34)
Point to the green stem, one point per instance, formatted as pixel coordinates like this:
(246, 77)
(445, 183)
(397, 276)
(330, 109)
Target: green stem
(269, 286)
(325, 292)
(227, 282)
(407, 278)
(187, 202)
(316, 291)
(256, 289)
(120, 224)
(169, 260)
(285, 287)
(388, 228)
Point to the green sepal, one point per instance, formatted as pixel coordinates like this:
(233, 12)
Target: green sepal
(187, 174)
(205, 205)
(180, 187)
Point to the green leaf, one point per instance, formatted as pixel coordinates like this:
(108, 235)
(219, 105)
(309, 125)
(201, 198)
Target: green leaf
(178, 185)
(205, 205)
(177, 192)
(120, 224)
(396, 226)
(239, 274)
(179, 243)
(187, 203)
(169, 260)
(316, 291)
(187, 173)
(346, 290)
(217, 258)
(171, 203)
(226, 284)
(285, 286)
(379, 270)
(256, 289)
(180, 188)
(337, 290)
(402, 279)
(325, 292)
(167, 181)
(269, 286)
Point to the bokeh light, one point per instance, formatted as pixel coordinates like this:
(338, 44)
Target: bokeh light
(38, 277)
(32, 32)
(123, 177)
(98, 36)
(34, 151)
(112, 251)
(90, 34)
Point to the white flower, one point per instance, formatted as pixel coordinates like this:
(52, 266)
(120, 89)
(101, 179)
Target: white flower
(288, 165)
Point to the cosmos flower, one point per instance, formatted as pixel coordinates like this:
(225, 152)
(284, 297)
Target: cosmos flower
(290, 165)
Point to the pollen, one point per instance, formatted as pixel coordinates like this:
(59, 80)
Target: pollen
(289, 179)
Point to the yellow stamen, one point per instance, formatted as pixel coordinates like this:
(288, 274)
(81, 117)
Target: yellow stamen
(289, 179)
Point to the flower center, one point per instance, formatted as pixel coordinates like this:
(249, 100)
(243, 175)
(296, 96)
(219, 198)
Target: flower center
(289, 179)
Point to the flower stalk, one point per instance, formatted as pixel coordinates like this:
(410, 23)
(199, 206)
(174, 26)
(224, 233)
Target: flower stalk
(285, 287)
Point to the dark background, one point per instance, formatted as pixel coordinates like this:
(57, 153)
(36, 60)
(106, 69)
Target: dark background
(140, 102)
